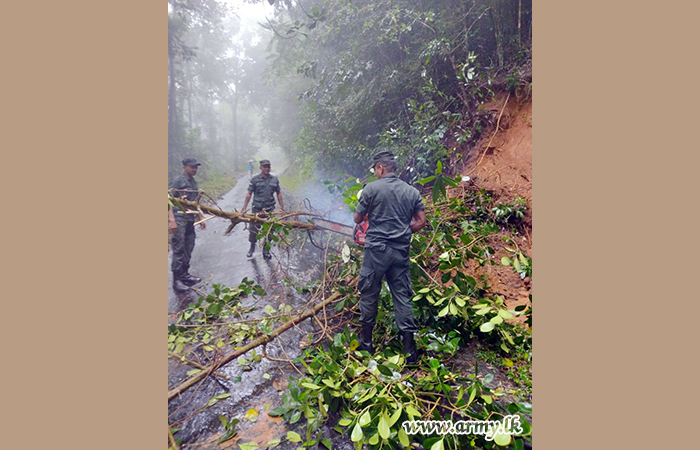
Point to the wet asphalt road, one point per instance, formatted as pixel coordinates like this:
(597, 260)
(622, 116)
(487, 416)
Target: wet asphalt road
(222, 259)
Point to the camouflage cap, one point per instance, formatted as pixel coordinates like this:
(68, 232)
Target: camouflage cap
(264, 162)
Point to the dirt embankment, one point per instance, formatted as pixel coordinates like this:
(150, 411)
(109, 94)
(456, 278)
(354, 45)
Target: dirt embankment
(501, 163)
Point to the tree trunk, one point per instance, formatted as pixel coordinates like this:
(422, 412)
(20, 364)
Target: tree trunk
(234, 138)
(520, 12)
(174, 155)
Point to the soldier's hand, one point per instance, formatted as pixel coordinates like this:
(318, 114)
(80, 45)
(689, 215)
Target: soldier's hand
(203, 226)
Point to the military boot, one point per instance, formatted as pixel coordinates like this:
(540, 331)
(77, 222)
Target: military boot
(409, 347)
(190, 280)
(366, 338)
(252, 249)
(178, 285)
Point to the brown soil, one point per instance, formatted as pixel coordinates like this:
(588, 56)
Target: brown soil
(501, 163)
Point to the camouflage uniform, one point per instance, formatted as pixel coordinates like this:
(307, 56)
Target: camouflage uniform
(263, 190)
(182, 241)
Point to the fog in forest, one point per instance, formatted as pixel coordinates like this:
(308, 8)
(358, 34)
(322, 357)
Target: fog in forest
(318, 86)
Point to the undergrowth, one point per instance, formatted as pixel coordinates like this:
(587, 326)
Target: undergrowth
(373, 399)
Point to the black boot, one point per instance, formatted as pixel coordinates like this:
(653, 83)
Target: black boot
(266, 254)
(409, 347)
(366, 339)
(179, 286)
(190, 280)
(252, 249)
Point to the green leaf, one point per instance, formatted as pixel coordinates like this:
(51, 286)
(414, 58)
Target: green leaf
(454, 310)
(365, 419)
(438, 170)
(444, 311)
(501, 439)
(505, 314)
(487, 399)
(216, 398)
(484, 311)
(486, 327)
(505, 261)
(231, 432)
(439, 445)
(356, 433)
(460, 301)
(293, 437)
(344, 422)
(413, 412)
(274, 443)
(516, 265)
(385, 370)
(425, 181)
(395, 416)
(374, 439)
(248, 446)
(311, 386)
(383, 426)
(496, 320)
(403, 438)
(522, 258)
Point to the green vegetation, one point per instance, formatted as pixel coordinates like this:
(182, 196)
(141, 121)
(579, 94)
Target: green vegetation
(217, 184)
(344, 78)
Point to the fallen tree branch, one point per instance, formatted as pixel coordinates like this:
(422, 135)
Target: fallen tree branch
(256, 343)
(237, 217)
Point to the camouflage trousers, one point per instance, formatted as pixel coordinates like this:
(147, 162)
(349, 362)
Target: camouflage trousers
(182, 244)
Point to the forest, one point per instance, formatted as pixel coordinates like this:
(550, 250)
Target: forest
(319, 86)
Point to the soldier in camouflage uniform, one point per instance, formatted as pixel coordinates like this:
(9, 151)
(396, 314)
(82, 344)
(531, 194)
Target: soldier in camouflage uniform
(262, 188)
(395, 210)
(181, 225)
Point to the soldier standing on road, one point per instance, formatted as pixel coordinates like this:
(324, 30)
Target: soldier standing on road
(181, 225)
(262, 188)
(395, 210)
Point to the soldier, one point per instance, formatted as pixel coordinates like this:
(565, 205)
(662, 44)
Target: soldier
(262, 187)
(181, 224)
(395, 211)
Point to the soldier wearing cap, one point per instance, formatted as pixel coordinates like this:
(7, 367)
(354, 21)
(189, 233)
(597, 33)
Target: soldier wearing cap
(395, 210)
(262, 188)
(181, 225)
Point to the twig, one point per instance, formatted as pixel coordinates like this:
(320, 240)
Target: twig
(197, 365)
(494, 132)
(173, 443)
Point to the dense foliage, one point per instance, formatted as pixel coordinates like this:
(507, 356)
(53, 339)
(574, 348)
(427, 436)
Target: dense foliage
(403, 74)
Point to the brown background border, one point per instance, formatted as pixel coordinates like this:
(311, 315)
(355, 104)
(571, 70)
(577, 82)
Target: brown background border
(84, 87)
